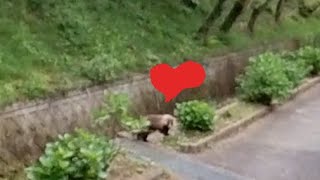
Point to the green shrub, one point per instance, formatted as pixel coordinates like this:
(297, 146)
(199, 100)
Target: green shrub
(296, 72)
(311, 57)
(116, 109)
(265, 79)
(296, 68)
(195, 115)
(82, 156)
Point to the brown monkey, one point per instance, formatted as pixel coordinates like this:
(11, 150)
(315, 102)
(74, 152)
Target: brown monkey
(143, 135)
(160, 122)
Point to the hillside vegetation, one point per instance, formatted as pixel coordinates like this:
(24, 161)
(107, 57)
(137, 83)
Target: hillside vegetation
(54, 45)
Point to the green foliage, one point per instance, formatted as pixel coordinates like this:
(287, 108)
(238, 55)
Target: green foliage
(265, 79)
(295, 68)
(100, 40)
(311, 57)
(101, 68)
(191, 3)
(36, 86)
(195, 115)
(116, 108)
(82, 156)
(7, 93)
(73, 26)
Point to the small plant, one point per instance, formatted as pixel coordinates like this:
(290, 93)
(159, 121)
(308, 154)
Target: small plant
(116, 110)
(82, 156)
(134, 124)
(311, 57)
(195, 115)
(264, 80)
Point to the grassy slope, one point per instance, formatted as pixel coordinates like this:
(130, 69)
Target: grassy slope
(48, 46)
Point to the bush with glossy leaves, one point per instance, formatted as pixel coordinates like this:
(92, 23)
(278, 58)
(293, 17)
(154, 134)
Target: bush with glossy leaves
(296, 68)
(195, 115)
(81, 155)
(311, 58)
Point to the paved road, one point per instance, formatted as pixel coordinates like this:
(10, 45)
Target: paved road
(285, 145)
(180, 164)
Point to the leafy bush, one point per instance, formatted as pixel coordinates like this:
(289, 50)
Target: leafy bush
(116, 108)
(311, 57)
(195, 115)
(265, 79)
(296, 72)
(295, 68)
(78, 156)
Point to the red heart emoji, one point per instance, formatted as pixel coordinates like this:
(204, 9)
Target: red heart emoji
(171, 81)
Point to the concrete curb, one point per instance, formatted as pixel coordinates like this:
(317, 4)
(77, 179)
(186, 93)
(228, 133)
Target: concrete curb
(225, 108)
(204, 143)
(149, 175)
(310, 82)
(158, 172)
(200, 145)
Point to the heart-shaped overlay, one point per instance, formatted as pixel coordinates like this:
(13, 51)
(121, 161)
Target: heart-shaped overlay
(171, 81)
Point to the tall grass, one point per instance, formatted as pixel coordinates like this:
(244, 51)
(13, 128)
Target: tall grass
(46, 48)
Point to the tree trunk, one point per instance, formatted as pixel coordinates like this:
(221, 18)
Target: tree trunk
(278, 11)
(213, 16)
(233, 15)
(255, 14)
